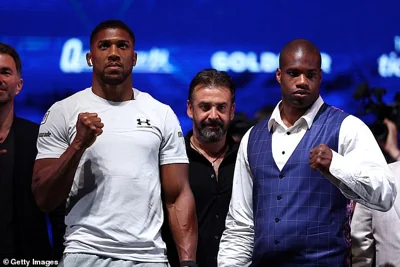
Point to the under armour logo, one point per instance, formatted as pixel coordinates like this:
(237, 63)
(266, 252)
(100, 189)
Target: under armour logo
(139, 122)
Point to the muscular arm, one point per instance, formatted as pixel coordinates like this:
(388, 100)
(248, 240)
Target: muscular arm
(181, 209)
(52, 178)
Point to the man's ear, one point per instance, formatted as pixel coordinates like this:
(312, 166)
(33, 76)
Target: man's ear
(19, 86)
(89, 59)
(134, 59)
(278, 75)
(189, 109)
(232, 113)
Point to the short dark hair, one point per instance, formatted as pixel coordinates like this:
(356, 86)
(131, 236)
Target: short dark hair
(111, 24)
(9, 50)
(212, 77)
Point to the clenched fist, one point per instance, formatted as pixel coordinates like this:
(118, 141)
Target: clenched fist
(88, 127)
(321, 158)
(3, 151)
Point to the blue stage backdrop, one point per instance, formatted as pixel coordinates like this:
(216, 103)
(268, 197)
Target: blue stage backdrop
(359, 41)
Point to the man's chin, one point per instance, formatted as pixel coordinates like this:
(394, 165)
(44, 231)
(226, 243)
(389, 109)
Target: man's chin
(113, 79)
(212, 138)
(5, 100)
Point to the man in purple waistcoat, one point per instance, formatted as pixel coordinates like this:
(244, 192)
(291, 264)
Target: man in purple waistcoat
(298, 174)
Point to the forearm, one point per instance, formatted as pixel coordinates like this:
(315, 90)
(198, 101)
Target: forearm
(236, 246)
(368, 182)
(52, 184)
(183, 224)
(361, 167)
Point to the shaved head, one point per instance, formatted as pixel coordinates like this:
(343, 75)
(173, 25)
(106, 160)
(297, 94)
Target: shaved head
(299, 75)
(298, 48)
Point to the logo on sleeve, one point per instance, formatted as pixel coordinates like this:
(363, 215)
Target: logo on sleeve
(48, 134)
(45, 117)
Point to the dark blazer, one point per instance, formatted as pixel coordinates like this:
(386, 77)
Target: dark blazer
(32, 236)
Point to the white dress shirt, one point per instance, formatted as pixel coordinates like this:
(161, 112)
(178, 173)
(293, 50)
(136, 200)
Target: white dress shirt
(359, 167)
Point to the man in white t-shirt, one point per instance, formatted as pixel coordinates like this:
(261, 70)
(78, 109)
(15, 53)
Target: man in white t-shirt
(111, 150)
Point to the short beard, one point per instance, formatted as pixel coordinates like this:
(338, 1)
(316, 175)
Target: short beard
(211, 135)
(112, 80)
(6, 100)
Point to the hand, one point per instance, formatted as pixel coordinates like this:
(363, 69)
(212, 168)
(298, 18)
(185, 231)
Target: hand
(391, 146)
(3, 151)
(88, 127)
(321, 158)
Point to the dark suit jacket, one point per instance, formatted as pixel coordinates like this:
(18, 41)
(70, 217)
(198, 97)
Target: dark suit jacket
(31, 224)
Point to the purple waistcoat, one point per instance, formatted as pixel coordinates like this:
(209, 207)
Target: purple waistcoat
(300, 217)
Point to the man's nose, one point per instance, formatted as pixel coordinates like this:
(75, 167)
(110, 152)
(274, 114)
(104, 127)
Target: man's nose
(302, 79)
(114, 53)
(213, 113)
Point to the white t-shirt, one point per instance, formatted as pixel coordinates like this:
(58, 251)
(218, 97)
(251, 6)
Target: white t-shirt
(114, 207)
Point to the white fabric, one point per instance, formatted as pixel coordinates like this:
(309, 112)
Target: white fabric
(359, 166)
(377, 232)
(115, 208)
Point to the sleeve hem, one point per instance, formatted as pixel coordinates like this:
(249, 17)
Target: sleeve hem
(48, 156)
(174, 160)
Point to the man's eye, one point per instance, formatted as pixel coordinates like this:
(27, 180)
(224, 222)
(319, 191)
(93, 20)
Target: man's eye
(221, 108)
(205, 107)
(293, 73)
(311, 75)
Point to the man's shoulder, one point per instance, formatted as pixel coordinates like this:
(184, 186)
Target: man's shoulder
(146, 97)
(27, 124)
(26, 131)
(68, 104)
(149, 101)
(333, 110)
(75, 96)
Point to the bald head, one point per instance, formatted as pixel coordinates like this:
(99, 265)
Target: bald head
(298, 48)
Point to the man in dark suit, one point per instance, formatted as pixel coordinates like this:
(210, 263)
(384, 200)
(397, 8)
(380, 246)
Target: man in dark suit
(24, 233)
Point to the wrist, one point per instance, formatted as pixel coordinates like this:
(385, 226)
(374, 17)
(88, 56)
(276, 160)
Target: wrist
(78, 144)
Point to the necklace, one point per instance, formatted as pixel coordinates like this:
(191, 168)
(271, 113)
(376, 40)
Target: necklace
(220, 153)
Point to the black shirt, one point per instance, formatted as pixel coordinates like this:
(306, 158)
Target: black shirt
(212, 199)
(7, 239)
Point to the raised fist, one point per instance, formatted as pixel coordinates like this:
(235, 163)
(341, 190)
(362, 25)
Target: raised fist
(88, 127)
(321, 158)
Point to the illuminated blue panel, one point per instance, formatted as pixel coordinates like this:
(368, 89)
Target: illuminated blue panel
(359, 41)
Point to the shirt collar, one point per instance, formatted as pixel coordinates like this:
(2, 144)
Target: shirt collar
(308, 117)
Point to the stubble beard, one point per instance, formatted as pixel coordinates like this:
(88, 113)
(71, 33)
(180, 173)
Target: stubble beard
(211, 135)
